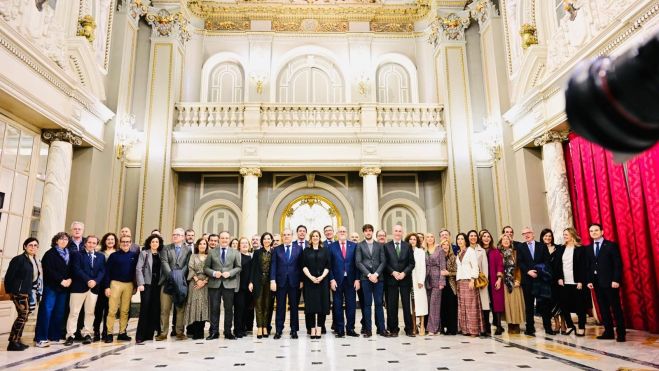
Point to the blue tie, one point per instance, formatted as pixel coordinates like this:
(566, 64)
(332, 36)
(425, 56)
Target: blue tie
(178, 251)
(532, 250)
(288, 253)
(224, 255)
(597, 249)
(91, 259)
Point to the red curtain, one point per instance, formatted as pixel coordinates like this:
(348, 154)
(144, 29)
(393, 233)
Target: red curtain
(624, 199)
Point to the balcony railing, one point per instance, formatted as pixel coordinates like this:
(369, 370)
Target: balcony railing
(310, 116)
(204, 115)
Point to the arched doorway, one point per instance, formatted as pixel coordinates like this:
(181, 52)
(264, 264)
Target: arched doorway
(311, 210)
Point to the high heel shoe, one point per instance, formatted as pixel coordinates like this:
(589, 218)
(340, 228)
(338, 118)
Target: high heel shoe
(580, 334)
(569, 331)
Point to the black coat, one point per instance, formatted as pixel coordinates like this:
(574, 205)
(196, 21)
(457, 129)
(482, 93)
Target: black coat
(55, 269)
(245, 271)
(608, 263)
(18, 279)
(402, 263)
(579, 265)
(527, 262)
(256, 273)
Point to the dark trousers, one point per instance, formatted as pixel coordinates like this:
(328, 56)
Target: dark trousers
(608, 300)
(51, 315)
(372, 293)
(393, 291)
(148, 323)
(573, 300)
(307, 320)
(315, 319)
(214, 298)
(345, 293)
(22, 305)
(360, 297)
(241, 309)
(529, 303)
(282, 294)
(250, 313)
(101, 314)
(196, 329)
(449, 312)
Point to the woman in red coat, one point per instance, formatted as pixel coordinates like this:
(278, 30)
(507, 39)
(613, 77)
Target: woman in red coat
(495, 265)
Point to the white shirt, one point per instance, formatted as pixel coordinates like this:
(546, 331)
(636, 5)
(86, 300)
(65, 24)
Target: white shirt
(568, 265)
(468, 267)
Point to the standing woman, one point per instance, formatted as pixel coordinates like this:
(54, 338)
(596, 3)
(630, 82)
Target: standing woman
(57, 279)
(243, 296)
(435, 264)
(571, 277)
(234, 244)
(495, 265)
(316, 267)
(259, 282)
(483, 269)
(23, 271)
(147, 275)
(512, 278)
(108, 246)
(419, 294)
(470, 316)
(554, 306)
(449, 307)
(197, 308)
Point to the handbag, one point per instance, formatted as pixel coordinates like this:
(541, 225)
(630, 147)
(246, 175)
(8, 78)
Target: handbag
(481, 281)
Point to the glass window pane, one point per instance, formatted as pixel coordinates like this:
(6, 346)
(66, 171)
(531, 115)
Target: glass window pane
(43, 160)
(25, 152)
(6, 183)
(10, 151)
(19, 193)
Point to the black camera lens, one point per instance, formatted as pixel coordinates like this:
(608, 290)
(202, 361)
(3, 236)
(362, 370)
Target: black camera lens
(614, 102)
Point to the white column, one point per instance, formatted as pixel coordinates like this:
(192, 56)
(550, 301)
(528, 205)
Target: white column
(558, 194)
(249, 225)
(371, 204)
(56, 188)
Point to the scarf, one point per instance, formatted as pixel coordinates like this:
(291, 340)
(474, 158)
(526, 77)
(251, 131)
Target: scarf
(508, 268)
(64, 253)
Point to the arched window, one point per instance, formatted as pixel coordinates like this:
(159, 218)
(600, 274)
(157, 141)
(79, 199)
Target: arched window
(310, 79)
(399, 215)
(393, 84)
(221, 219)
(225, 84)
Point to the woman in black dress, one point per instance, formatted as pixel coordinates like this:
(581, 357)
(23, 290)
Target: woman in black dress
(243, 297)
(316, 266)
(547, 236)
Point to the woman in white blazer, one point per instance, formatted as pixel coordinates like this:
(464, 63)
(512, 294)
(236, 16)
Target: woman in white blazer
(420, 296)
(470, 319)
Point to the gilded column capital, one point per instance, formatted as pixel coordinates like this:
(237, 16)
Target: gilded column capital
(482, 11)
(135, 8)
(253, 171)
(551, 136)
(60, 135)
(166, 24)
(369, 171)
(449, 27)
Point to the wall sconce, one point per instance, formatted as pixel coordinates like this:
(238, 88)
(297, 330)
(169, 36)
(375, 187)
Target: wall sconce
(362, 84)
(259, 81)
(127, 136)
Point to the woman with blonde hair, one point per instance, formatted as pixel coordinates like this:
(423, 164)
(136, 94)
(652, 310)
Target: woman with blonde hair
(435, 265)
(512, 278)
(571, 277)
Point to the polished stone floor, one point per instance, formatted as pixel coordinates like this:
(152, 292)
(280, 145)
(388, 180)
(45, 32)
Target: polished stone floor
(507, 352)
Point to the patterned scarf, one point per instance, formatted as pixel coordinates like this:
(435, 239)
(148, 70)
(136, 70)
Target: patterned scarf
(508, 268)
(64, 253)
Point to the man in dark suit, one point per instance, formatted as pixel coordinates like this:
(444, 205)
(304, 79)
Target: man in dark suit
(174, 259)
(285, 280)
(370, 261)
(344, 281)
(302, 243)
(529, 255)
(399, 266)
(87, 270)
(604, 276)
(223, 267)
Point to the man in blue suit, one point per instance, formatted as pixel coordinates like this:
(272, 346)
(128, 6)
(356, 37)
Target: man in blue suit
(302, 242)
(344, 281)
(285, 280)
(87, 270)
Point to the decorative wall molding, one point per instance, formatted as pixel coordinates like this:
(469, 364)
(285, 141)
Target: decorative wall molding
(550, 137)
(369, 171)
(250, 171)
(60, 135)
(166, 24)
(449, 27)
(482, 11)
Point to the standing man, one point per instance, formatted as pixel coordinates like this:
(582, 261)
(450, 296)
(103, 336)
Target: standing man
(223, 267)
(370, 261)
(276, 240)
(354, 237)
(303, 244)
(77, 241)
(344, 281)
(189, 238)
(381, 237)
(125, 232)
(444, 234)
(529, 255)
(400, 263)
(328, 231)
(87, 270)
(285, 269)
(604, 276)
(174, 260)
(256, 242)
(119, 285)
(213, 241)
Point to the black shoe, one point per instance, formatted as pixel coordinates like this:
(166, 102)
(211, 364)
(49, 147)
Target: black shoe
(352, 333)
(367, 334)
(78, 337)
(393, 334)
(87, 340)
(229, 337)
(384, 333)
(550, 332)
(239, 335)
(606, 336)
(621, 339)
(308, 331)
(213, 336)
(124, 337)
(108, 339)
(499, 331)
(293, 334)
(14, 346)
(173, 333)
(323, 330)
(24, 346)
(529, 333)
(97, 337)
(69, 341)
(410, 334)
(570, 330)
(340, 334)
(259, 336)
(277, 336)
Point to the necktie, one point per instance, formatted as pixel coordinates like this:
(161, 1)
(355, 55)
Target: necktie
(397, 248)
(597, 249)
(531, 249)
(224, 251)
(177, 249)
(91, 259)
(288, 253)
(343, 249)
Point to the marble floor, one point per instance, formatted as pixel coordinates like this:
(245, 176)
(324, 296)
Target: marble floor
(507, 352)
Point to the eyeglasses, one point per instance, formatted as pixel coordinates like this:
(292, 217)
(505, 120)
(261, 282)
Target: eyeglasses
(176, 234)
(125, 241)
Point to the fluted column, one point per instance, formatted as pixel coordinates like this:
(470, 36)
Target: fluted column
(371, 200)
(56, 187)
(558, 193)
(249, 225)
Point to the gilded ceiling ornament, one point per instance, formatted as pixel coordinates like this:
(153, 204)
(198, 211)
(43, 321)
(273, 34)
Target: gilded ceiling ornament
(165, 24)
(482, 10)
(87, 27)
(391, 27)
(529, 36)
(215, 25)
(253, 171)
(137, 8)
(451, 26)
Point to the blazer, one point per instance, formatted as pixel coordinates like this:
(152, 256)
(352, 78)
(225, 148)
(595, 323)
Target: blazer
(527, 262)
(343, 268)
(55, 269)
(74, 249)
(18, 279)
(403, 263)
(245, 271)
(368, 263)
(213, 263)
(144, 268)
(467, 267)
(608, 264)
(284, 271)
(83, 272)
(579, 264)
(169, 261)
(256, 272)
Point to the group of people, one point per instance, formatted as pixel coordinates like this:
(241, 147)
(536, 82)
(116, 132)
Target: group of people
(81, 283)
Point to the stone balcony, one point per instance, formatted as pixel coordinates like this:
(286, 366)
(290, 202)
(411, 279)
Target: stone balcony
(210, 136)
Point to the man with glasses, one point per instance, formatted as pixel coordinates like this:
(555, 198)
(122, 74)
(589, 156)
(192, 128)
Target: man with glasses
(77, 241)
(344, 281)
(125, 232)
(285, 280)
(174, 260)
(530, 254)
(119, 280)
(276, 239)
